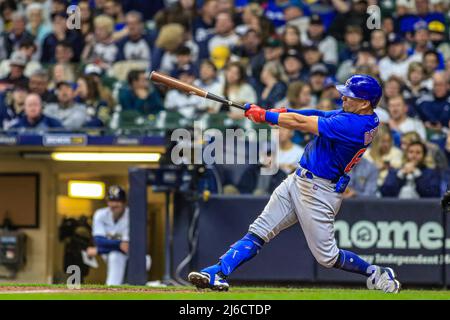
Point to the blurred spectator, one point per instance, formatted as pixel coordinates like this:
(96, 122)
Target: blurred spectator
(251, 17)
(38, 84)
(434, 109)
(383, 154)
(274, 88)
(139, 95)
(293, 66)
(350, 13)
(397, 60)
(353, 40)
(72, 115)
(7, 9)
(250, 46)
(363, 180)
(182, 57)
(317, 36)
(415, 86)
(12, 105)
(64, 52)
(87, 19)
(298, 96)
(61, 72)
(317, 75)
(136, 45)
(170, 38)
(224, 34)
(435, 157)
(114, 9)
(101, 48)
(105, 93)
(203, 24)
(28, 48)
(88, 93)
(312, 56)
(438, 38)
(420, 40)
(399, 120)
(272, 51)
(329, 93)
(9, 41)
(256, 183)
(16, 75)
(414, 179)
(236, 89)
(61, 33)
(33, 119)
(190, 106)
(378, 43)
(363, 57)
(37, 25)
(295, 16)
(289, 153)
(392, 87)
(291, 38)
(209, 81)
(431, 62)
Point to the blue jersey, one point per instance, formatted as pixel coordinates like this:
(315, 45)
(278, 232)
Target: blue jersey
(343, 138)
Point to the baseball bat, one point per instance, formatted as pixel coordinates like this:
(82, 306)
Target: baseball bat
(190, 89)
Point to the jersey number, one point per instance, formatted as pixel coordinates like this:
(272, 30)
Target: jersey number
(356, 159)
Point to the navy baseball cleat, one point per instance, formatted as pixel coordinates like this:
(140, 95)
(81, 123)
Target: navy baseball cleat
(384, 279)
(209, 278)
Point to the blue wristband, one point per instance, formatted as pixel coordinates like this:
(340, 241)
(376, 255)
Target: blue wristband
(272, 117)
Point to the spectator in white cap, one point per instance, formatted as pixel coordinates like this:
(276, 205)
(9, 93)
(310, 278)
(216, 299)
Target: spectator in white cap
(16, 75)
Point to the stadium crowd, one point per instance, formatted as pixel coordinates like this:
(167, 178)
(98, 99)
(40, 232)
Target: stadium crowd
(57, 73)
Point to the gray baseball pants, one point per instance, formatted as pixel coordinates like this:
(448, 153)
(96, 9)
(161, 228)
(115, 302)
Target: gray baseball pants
(314, 203)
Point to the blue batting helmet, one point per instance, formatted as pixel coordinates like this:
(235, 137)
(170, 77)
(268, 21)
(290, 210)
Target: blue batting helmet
(362, 86)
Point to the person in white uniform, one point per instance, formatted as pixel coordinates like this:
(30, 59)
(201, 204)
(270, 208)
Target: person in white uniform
(110, 230)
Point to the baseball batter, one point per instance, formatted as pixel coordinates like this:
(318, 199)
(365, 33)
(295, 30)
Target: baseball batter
(312, 195)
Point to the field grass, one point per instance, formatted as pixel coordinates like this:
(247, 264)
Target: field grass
(59, 292)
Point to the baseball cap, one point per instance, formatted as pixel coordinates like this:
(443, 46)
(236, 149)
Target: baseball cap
(436, 26)
(18, 59)
(310, 47)
(183, 50)
(329, 82)
(93, 69)
(291, 53)
(291, 3)
(319, 68)
(316, 19)
(220, 56)
(394, 38)
(66, 83)
(273, 42)
(116, 193)
(420, 25)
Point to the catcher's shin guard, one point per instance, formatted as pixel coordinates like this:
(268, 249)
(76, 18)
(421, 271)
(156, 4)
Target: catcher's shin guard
(240, 252)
